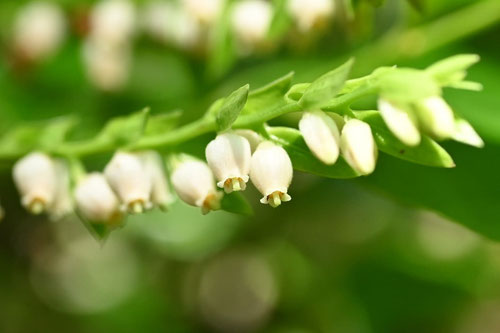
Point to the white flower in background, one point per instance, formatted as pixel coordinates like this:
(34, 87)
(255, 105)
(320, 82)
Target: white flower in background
(107, 65)
(465, 133)
(358, 146)
(400, 122)
(195, 184)
(309, 13)
(271, 172)
(35, 176)
(170, 23)
(39, 29)
(436, 117)
(96, 201)
(253, 137)
(228, 155)
(63, 202)
(250, 21)
(127, 176)
(321, 136)
(205, 11)
(161, 195)
(113, 21)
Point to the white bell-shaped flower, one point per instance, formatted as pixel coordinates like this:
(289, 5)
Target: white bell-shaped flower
(161, 195)
(271, 172)
(39, 29)
(358, 146)
(436, 117)
(254, 139)
(195, 184)
(228, 155)
(113, 21)
(465, 133)
(128, 178)
(63, 201)
(250, 21)
(205, 11)
(309, 13)
(321, 136)
(96, 201)
(400, 122)
(36, 179)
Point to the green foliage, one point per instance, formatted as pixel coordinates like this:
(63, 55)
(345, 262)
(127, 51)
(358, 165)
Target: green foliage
(231, 108)
(236, 203)
(125, 130)
(159, 123)
(407, 85)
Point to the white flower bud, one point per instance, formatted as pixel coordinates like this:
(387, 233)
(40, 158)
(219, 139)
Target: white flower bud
(358, 146)
(309, 13)
(205, 11)
(228, 155)
(253, 137)
(160, 192)
(112, 21)
(96, 201)
(321, 136)
(36, 179)
(400, 122)
(271, 172)
(465, 133)
(194, 183)
(63, 202)
(128, 178)
(39, 29)
(437, 117)
(250, 21)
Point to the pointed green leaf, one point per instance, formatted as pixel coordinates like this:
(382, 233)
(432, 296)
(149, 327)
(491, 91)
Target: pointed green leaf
(303, 160)
(127, 129)
(160, 123)
(236, 203)
(231, 108)
(428, 152)
(55, 132)
(407, 85)
(326, 87)
(269, 96)
(453, 69)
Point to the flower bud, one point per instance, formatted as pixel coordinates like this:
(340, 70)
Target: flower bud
(128, 178)
(36, 179)
(358, 146)
(321, 136)
(271, 172)
(465, 133)
(160, 192)
(309, 13)
(400, 122)
(96, 201)
(112, 21)
(228, 155)
(194, 183)
(250, 21)
(436, 117)
(39, 29)
(205, 11)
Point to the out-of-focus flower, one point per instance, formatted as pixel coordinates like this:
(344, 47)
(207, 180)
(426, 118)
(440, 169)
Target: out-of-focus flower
(228, 155)
(205, 11)
(96, 201)
(107, 65)
(358, 146)
(35, 176)
(321, 136)
(310, 13)
(436, 117)
(250, 21)
(39, 29)
(253, 137)
(128, 178)
(400, 122)
(271, 172)
(154, 168)
(465, 133)
(113, 21)
(194, 183)
(170, 23)
(63, 201)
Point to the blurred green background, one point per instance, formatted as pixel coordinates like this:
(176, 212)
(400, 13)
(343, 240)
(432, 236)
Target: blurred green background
(407, 249)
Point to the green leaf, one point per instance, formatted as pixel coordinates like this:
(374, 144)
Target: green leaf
(231, 108)
(428, 153)
(160, 123)
(419, 5)
(55, 132)
(281, 22)
(453, 69)
(269, 96)
(302, 158)
(326, 87)
(407, 85)
(125, 130)
(236, 203)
